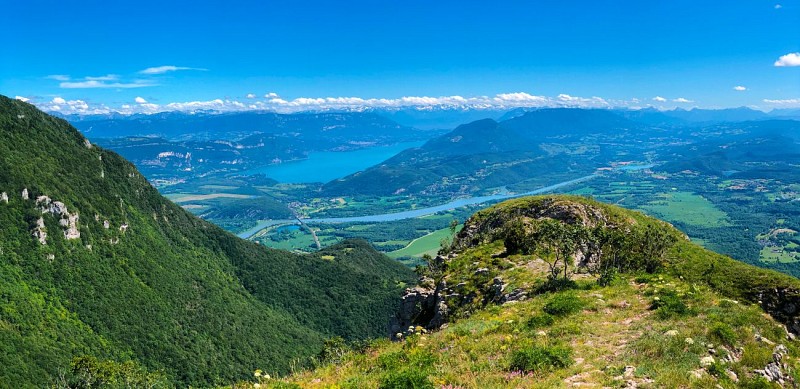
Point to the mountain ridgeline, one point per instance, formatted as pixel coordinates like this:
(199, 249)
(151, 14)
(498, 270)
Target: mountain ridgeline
(486, 154)
(100, 274)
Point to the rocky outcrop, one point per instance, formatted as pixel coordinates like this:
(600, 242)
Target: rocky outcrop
(4, 197)
(778, 370)
(421, 306)
(430, 304)
(68, 221)
(489, 225)
(40, 231)
(25, 195)
(783, 304)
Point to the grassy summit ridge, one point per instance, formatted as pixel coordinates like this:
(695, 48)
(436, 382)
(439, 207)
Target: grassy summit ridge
(116, 272)
(635, 314)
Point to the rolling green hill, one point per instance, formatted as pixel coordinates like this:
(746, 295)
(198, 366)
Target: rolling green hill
(101, 278)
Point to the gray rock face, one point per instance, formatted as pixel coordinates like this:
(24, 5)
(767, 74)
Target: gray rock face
(783, 304)
(40, 231)
(4, 197)
(25, 194)
(72, 231)
(422, 307)
(67, 220)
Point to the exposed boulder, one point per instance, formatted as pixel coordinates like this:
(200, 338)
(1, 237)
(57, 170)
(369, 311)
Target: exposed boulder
(40, 231)
(25, 194)
(420, 306)
(72, 231)
(4, 197)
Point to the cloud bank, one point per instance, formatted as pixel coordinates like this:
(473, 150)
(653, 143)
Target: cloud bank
(272, 102)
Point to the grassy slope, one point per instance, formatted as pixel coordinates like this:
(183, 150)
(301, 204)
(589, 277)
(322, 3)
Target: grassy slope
(712, 302)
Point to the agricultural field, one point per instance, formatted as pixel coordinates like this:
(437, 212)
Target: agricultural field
(428, 244)
(689, 208)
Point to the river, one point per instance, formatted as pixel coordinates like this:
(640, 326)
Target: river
(387, 217)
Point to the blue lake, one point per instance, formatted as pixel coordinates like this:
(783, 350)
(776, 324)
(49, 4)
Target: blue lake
(330, 165)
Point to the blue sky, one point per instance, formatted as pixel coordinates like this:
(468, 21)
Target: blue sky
(92, 55)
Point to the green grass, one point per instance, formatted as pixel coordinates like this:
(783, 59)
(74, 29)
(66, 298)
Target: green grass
(688, 208)
(428, 244)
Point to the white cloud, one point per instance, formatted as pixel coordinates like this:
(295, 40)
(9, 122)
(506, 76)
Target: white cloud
(583, 102)
(271, 95)
(102, 84)
(740, 88)
(72, 106)
(22, 99)
(251, 96)
(791, 59)
(108, 77)
(778, 6)
(58, 77)
(682, 100)
(166, 68)
(659, 99)
(785, 102)
(520, 97)
(140, 100)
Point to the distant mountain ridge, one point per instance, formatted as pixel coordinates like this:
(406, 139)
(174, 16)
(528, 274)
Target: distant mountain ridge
(487, 153)
(175, 125)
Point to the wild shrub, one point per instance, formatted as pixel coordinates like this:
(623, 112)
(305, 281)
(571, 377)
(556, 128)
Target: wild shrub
(540, 321)
(668, 304)
(540, 358)
(408, 378)
(392, 360)
(722, 333)
(717, 370)
(555, 285)
(563, 304)
(607, 277)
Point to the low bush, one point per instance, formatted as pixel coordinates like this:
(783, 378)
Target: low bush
(540, 321)
(408, 378)
(722, 333)
(668, 304)
(540, 358)
(563, 304)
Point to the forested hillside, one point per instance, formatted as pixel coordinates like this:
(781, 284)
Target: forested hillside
(96, 266)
